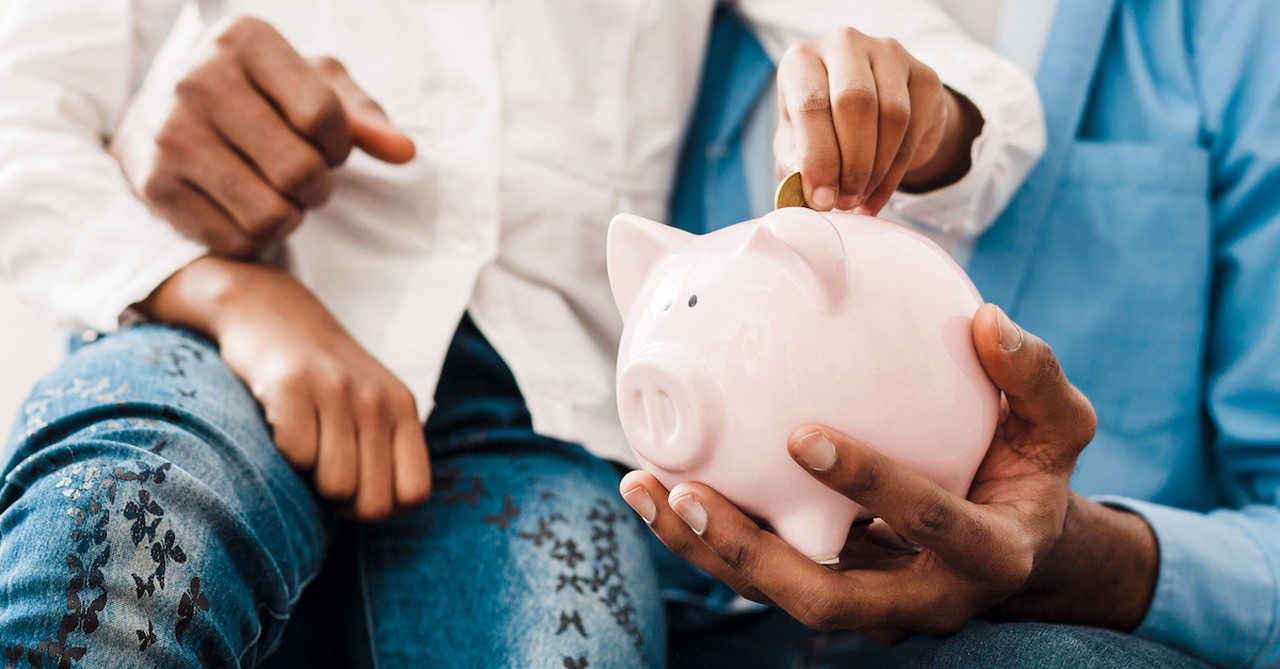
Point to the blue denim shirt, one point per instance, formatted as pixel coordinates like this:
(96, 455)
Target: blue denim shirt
(1145, 248)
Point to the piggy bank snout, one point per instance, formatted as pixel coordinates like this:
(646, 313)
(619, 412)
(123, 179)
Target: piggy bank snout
(671, 409)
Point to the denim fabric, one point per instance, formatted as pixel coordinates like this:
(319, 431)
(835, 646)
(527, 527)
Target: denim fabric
(526, 554)
(146, 520)
(1042, 646)
(773, 639)
(712, 160)
(526, 558)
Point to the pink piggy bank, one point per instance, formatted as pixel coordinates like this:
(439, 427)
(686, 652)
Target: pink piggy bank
(734, 338)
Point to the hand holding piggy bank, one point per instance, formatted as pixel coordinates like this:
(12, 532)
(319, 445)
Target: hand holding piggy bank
(734, 338)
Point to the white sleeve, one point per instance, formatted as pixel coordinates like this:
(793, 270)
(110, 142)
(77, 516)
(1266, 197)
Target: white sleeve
(74, 240)
(1012, 137)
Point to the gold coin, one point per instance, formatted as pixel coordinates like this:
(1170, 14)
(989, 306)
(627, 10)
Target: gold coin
(790, 192)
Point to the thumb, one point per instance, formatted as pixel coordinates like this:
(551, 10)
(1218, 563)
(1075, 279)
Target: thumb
(370, 127)
(1024, 367)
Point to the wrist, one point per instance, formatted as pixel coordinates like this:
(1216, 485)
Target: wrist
(194, 296)
(954, 154)
(211, 294)
(1101, 572)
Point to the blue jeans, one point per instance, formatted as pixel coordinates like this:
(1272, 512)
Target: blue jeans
(147, 520)
(773, 639)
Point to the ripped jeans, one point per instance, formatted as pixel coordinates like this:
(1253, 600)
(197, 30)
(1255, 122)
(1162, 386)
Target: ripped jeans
(146, 520)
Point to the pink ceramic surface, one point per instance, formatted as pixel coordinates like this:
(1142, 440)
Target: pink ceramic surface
(735, 338)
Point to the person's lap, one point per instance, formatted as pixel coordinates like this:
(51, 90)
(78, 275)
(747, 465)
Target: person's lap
(145, 464)
(527, 532)
(523, 531)
(773, 639)
(146, 519)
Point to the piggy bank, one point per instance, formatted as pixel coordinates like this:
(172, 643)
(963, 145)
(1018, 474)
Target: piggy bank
(735, 338)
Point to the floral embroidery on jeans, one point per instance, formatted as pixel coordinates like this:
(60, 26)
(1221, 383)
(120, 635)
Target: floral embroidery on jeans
(193, 601)
(604, 578)
(447, 480)
(93, 495)
(100, 391)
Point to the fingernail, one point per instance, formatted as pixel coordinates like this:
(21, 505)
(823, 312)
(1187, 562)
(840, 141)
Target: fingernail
(690, 510)
(642, 504)
(824, 197)
(1011, 336)
(847, 202)
(816, 451)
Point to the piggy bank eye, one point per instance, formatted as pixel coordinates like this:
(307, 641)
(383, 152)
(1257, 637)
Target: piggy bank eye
(693, 300)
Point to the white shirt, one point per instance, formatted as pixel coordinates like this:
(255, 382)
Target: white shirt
(535, 122)
(1016, 29)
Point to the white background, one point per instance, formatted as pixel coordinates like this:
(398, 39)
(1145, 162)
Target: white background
(29, 347)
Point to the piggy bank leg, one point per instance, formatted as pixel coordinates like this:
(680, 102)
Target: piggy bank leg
(819, 533)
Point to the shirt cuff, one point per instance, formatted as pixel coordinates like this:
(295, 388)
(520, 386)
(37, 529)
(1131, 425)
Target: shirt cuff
(1010, 143)
(1215, 594)
(143, 252)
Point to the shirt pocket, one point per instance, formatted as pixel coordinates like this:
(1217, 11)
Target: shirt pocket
(1176, 168)
(1125, 273)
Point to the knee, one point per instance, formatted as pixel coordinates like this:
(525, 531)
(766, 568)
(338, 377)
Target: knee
(152, 391)
(93, 550)
(147, 371)
(1042, 644)
(115, 553)
(154, 478)
(152, 411)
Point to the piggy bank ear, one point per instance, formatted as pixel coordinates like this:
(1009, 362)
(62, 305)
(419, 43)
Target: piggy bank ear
(635, 246)
(806, 246)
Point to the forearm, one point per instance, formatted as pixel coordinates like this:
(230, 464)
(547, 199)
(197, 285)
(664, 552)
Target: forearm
(333, 408)
(215, 295)
(1102, 572)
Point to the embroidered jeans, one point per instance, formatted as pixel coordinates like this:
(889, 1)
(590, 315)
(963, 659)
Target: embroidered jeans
(147, 520)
